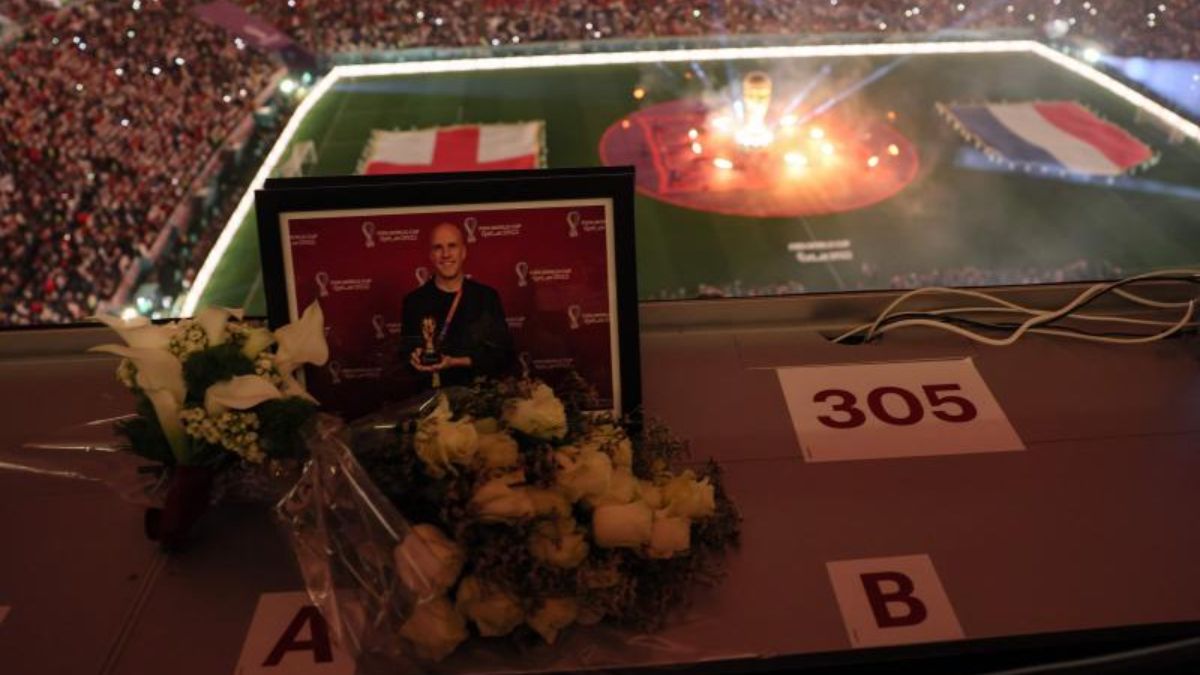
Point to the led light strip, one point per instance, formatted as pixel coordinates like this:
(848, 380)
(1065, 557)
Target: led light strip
(1168, 117)
(204, 276)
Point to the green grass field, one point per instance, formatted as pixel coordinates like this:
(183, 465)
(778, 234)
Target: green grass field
(949, 217)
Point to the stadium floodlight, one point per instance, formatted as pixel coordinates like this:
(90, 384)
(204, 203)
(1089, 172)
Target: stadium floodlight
(1057, 28)
(1081, 68)
(1092, 55)
(129, 314)
(287, 86)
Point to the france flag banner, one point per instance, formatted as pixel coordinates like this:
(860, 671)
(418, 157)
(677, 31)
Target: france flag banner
(1057, 134)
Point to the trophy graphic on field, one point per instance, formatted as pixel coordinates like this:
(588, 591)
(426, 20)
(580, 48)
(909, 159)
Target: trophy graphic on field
(471, 224)
(368, 230)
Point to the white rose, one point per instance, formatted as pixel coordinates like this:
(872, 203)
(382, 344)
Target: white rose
(627, 525)
(585, 474)
(497, 450)
(613, 439)
(622, 489)
(487, 425)
(549, 502)
(435, 629)
(559, 543)
(494, 610)
(442, 443)
(541, 415)
(669, 535)
(651, 494)
(498, 500)
(622, 453)
(427, 561)
(554, 615)
(688, 497)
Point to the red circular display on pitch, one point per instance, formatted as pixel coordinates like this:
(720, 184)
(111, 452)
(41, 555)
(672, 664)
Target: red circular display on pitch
(827, 166)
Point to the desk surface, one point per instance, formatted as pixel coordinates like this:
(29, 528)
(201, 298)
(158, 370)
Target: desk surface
(1091, 527)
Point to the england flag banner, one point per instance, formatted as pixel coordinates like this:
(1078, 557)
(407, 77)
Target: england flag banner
(472, 147)
(1061, 135)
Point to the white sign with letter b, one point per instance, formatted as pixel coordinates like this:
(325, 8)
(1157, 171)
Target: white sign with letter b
(893, 601)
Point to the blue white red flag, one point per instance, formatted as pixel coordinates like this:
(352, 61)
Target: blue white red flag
(1061, 134)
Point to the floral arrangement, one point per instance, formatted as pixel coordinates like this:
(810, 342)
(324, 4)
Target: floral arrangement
(213, 393)
(527, 515)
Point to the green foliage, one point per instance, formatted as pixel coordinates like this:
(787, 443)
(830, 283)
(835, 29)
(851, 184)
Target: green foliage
(207, 367)
(391, 461)
(145, 435)
(281, 424)
(626, 585)
(656, 448)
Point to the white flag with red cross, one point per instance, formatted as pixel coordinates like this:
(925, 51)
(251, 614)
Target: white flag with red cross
(471, 147)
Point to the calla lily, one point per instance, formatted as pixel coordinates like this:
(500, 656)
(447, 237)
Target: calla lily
(166, 408)
(213, 320)
(160, 376)
(257, 339)
(302, 341)
(157, 369)
(240, 393)
(292, 387)
(139, 332)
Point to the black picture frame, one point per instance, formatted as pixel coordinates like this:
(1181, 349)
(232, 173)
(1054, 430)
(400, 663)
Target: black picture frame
(325, 193)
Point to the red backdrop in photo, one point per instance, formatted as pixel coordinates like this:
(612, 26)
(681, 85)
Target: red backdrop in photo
(548, 263)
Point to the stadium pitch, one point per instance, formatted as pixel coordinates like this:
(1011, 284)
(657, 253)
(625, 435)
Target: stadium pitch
(961, 211)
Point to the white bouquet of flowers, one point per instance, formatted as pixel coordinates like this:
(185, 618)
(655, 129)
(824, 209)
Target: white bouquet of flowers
(504, 512)
(214, 396)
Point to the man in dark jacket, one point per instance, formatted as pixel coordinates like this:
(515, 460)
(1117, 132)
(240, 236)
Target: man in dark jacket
(457, 322)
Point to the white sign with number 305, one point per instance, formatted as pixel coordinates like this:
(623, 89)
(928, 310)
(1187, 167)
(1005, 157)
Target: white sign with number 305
(887, 410)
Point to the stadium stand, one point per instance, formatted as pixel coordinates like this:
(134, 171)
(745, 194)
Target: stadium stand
(108, 109)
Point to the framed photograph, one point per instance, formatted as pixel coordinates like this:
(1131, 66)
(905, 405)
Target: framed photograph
(432, 280)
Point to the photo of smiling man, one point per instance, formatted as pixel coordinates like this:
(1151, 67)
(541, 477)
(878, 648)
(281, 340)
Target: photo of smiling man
(457, 324)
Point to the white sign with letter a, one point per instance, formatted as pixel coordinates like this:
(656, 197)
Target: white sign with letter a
(288, 636)
(893, 601)
(888, 410)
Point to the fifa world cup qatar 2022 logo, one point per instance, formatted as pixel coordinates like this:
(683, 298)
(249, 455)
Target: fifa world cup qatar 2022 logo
(573, 221)
(522, 270)
(574, 315)
(335, 372)
(368, 230)
(526, 361)
(471, 225)
(422, 275)
(379, 325)
(322, 279)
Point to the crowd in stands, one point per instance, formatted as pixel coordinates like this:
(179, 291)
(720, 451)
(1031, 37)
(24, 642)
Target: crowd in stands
(1125, 26)
(108, 107)
(105, 115)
